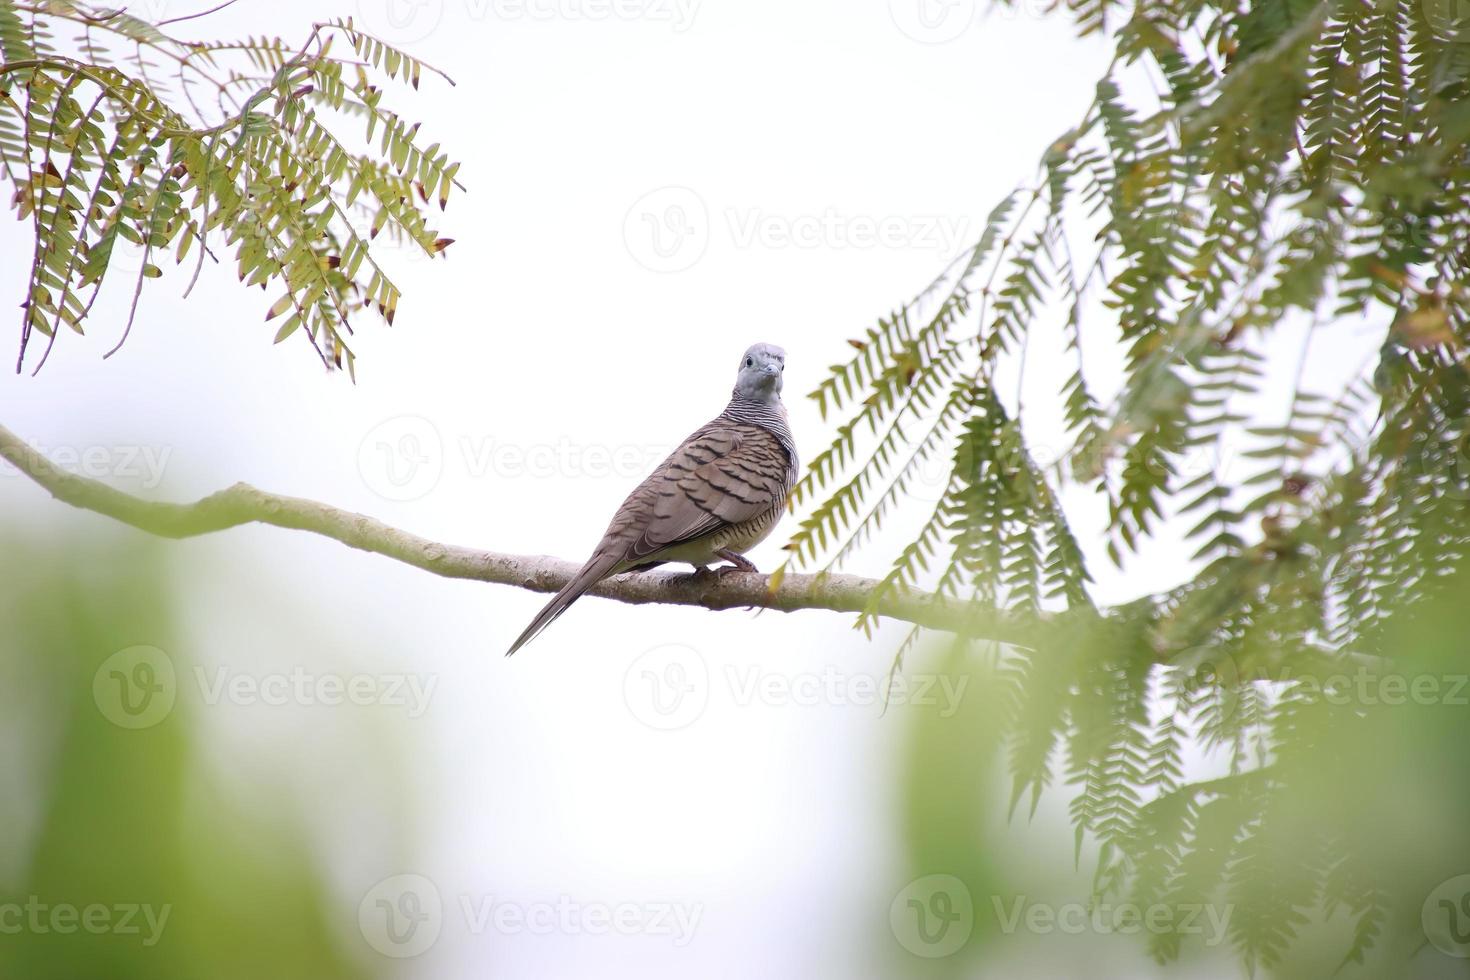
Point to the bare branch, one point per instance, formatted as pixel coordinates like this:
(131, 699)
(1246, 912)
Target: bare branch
(203, 13)
(244, 504)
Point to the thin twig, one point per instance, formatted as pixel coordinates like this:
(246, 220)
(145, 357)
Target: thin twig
(133, 307)
(203, 13)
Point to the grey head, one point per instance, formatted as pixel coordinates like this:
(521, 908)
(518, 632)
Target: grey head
(759, 380)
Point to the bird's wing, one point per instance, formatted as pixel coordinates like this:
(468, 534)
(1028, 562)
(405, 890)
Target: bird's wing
(725, 473)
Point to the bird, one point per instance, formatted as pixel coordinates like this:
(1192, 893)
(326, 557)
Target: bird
(714, 498)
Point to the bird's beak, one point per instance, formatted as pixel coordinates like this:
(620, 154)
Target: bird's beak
(773, 369)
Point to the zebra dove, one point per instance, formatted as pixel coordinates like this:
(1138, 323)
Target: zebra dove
(713, 499)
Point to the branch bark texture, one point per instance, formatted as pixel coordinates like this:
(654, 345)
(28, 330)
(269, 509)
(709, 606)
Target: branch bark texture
(244, 504)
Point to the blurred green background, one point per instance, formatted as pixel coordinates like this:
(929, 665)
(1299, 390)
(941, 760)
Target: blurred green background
(127, 851)
(100, 814)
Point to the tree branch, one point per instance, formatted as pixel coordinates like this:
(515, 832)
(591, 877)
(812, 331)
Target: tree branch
(244, 504)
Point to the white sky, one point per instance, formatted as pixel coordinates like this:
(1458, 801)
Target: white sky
(542, 368)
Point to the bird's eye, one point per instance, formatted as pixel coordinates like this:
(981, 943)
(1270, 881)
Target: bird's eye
(750, 362)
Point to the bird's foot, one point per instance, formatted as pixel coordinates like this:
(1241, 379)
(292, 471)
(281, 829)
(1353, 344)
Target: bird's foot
(704, 573)
(738, 562)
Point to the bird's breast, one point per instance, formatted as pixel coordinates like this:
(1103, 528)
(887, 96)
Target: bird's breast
(742, 537)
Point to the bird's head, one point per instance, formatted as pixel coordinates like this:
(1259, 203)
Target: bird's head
(760, 373)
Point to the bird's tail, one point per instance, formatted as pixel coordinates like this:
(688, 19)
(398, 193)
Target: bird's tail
(593, 572)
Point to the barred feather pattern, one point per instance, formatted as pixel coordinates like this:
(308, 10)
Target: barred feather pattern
(723, 490)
